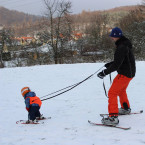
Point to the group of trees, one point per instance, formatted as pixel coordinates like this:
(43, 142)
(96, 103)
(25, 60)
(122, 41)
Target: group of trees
(5, 40)
(133, 26)
(57, 27)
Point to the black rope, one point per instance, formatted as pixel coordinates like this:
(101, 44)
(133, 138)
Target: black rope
(59, 90)
(105, 87)
(110, 79)
(67, 89)
(72, 86)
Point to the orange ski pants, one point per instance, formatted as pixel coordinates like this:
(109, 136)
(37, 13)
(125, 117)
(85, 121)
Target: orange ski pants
(118, 88)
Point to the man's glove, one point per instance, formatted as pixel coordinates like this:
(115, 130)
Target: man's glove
(101, 74)
(108, 64)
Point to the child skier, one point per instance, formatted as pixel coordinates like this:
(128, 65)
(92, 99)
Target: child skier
(33, 104)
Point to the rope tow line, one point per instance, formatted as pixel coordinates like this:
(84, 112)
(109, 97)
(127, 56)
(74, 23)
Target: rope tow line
(59, 90)
(70, 87)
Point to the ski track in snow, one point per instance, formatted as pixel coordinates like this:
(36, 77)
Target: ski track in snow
(71, 111)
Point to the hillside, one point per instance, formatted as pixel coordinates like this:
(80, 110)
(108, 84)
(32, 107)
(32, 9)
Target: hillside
(114, 15)
(70, 111)
(122, 8)
(11, 17)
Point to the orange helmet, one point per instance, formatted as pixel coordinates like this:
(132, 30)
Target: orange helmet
(25, 90)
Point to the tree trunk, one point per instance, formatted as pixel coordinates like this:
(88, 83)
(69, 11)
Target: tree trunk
(1, 60)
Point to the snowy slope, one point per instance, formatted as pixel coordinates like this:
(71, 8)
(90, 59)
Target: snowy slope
(70, 111)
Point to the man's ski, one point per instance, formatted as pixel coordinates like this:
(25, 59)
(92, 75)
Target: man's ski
(99, 124)
(141, 111)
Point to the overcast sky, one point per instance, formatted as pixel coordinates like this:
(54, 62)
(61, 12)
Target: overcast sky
(37, 6)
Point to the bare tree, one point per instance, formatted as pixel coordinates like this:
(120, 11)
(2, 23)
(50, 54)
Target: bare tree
(97, 29)
(143, 7)
(5, 40)
(58, 27)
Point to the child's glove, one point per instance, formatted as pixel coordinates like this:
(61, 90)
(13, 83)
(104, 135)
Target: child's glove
(28, 109)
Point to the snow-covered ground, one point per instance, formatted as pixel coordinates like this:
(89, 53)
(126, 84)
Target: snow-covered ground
(70, 111)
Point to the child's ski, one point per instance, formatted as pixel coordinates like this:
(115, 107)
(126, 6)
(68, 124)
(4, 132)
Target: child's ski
(37, 122)
(99, 124)
(44, 118)
(139, 112)
(27, 122)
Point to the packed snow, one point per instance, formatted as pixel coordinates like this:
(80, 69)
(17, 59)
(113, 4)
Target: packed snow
(70, 111)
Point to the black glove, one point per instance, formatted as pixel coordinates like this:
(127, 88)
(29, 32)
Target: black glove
(101, 74)
(108, 64)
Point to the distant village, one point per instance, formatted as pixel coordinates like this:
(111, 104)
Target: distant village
(26, 42)
(70, 38)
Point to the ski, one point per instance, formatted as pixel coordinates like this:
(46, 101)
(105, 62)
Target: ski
(139, 112)
(44, 118)
(39, 121)
(99, 124)
(25, 122)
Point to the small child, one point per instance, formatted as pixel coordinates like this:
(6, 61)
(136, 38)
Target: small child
(33, 104)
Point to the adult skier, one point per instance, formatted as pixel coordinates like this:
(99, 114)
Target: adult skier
(124, 64)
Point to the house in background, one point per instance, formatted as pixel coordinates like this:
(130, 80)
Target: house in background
(1, 26)
(24, 40)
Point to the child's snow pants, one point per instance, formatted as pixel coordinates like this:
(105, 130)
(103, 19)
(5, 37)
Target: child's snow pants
(34, 112)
